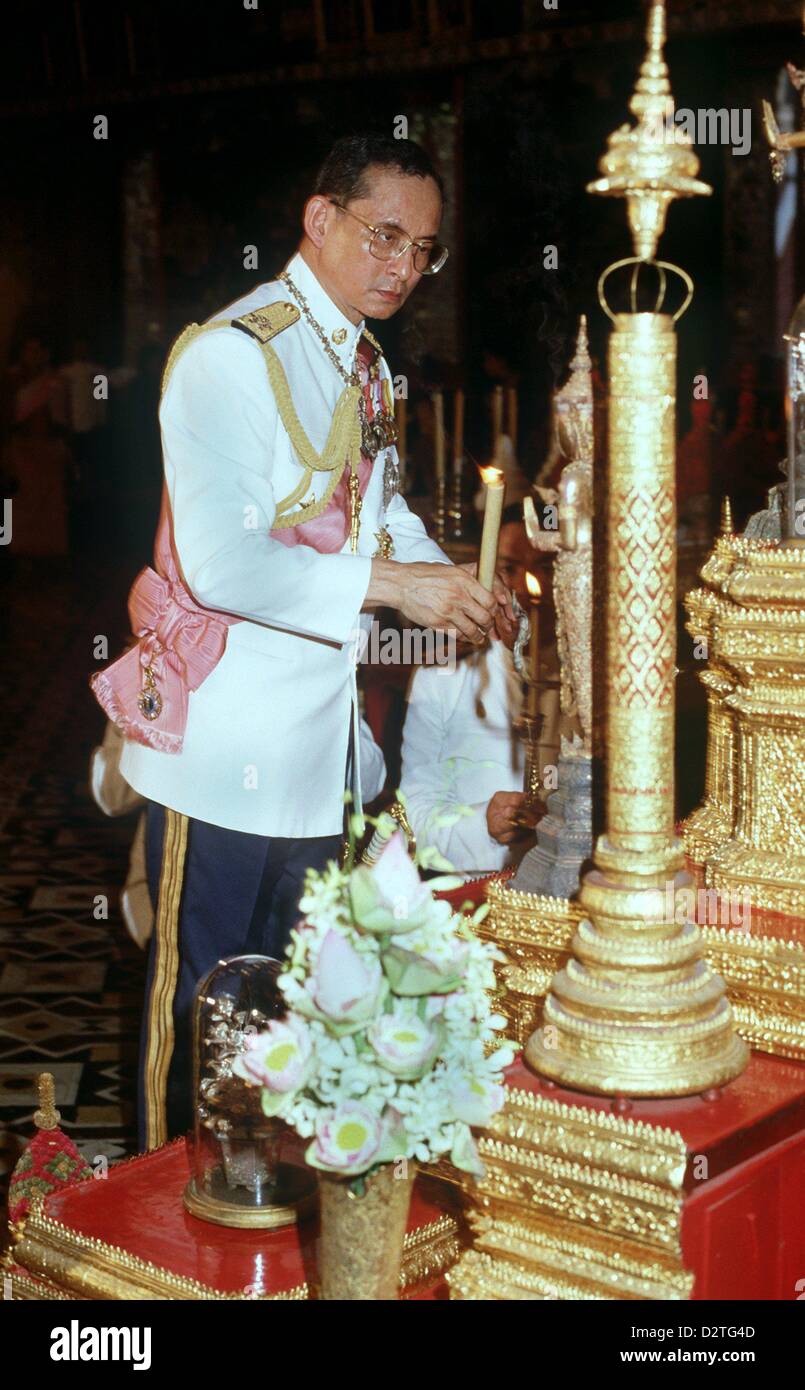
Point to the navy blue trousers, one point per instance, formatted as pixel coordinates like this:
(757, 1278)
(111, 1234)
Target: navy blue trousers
(224, 893)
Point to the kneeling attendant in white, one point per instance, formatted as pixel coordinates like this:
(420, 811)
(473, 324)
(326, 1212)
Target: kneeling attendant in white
(279, 521)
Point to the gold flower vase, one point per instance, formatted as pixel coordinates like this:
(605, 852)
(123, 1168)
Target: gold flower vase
(361, 1241)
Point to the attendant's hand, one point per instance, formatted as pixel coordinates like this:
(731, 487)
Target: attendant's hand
(501, 817)
(438, 596)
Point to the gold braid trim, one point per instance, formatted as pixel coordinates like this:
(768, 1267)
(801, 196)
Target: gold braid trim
(159, 1049)
(343, 445)
(370, 337)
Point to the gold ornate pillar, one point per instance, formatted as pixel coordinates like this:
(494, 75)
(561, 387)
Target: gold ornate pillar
(637, 1010)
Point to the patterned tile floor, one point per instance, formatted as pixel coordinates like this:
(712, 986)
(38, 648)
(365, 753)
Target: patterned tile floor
(70, 984)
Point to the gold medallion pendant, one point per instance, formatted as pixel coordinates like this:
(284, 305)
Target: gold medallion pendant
(149, 701)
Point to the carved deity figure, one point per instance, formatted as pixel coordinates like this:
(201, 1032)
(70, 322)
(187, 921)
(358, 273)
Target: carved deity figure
(572, 539)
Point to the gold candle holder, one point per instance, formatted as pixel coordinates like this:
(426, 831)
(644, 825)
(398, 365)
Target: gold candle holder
(529, 728)
(440, 512)
(456, 509)
(637, 1010)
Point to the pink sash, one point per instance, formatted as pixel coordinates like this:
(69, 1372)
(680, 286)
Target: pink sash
(180, 641)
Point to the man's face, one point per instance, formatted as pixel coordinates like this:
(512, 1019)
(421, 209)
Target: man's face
(515, 558)
(372, 288)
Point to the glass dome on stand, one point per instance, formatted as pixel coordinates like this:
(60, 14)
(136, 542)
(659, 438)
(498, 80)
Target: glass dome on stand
(247, 1168)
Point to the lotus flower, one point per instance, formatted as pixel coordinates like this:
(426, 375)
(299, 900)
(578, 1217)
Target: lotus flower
(475, 1100)
(348, 1139)
(278, 1060)
(389, 896)
(464, 1153)
(344, 990)
(405, 1045)
(413, 972)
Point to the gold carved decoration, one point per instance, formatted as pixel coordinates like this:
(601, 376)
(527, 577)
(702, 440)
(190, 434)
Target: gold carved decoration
(70, 1264)
(575, 1204)
(749, 616)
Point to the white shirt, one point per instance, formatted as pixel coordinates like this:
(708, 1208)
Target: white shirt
(265, 746)
(460, 747)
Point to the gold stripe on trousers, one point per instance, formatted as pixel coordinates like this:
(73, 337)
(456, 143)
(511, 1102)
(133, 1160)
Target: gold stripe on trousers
(159, 1048)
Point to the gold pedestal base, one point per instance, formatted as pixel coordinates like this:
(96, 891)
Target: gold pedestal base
(298, 1191)
(636, 1010)
(764, 976)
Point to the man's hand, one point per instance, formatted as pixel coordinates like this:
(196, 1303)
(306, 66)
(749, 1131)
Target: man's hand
(442, 597)
(501, 817)
(506, 624)
(437, 596)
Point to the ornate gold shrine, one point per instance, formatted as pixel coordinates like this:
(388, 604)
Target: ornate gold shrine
(749, 833)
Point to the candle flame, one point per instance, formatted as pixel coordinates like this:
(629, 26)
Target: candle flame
(491, 476)
(533, 585)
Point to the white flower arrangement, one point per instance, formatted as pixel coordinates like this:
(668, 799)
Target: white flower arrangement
(387, 1051)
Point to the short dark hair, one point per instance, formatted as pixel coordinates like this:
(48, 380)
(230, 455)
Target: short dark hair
(342, 176)
(512, 514)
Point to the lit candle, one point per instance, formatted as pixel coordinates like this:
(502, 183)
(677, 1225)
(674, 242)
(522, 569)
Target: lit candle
(458, 429)
(532, 699)
(497, 417)
(495, 485)
(511, 416)
(438, 425)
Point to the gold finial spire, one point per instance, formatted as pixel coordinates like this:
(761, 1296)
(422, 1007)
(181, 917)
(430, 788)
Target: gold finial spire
(651, 163)
(581, 361)
(579, 384)
(573, 403)
(47, 1116)
(653, 91)
(727, 528)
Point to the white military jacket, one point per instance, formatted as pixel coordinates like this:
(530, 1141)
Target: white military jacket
(266, 741)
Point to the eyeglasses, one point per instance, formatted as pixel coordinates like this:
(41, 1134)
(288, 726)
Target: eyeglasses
(388, 243)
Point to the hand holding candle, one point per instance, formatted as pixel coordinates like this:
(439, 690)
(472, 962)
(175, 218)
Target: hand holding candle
(495, 485)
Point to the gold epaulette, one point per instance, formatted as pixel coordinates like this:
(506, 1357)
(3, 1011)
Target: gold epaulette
(265, 324)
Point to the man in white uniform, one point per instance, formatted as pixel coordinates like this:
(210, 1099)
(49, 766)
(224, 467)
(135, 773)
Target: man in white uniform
(280, 527)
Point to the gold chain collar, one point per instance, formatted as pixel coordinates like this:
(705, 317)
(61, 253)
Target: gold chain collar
(351, 378)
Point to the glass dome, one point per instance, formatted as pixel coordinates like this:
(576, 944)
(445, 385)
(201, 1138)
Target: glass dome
(247, 1168)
